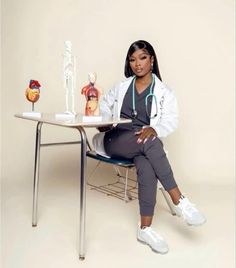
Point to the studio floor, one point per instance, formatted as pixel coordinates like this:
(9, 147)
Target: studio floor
(111, 228)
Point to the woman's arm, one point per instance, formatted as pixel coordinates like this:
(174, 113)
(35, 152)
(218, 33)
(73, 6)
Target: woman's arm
(168, 120)
(106, 107)
(107, 102)
(166, 123)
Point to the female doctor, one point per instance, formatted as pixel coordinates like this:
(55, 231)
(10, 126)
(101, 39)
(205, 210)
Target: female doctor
(153, 110)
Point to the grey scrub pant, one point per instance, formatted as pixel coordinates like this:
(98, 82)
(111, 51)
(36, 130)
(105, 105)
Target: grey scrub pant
(150, 161)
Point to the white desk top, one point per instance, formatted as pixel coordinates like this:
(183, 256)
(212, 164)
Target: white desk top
(72, 122)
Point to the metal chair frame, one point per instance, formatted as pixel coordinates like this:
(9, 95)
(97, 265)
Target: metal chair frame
(124, 187)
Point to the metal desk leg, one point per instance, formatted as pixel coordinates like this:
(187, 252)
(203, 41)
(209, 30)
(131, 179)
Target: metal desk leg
(36, 173)
(82, 193)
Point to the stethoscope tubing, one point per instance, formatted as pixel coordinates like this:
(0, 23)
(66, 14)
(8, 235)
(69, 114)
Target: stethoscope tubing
(150, 94)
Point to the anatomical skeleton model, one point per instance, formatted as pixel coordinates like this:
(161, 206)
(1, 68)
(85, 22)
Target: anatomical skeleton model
(69, 67)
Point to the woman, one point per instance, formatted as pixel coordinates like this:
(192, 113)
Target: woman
(153, 110)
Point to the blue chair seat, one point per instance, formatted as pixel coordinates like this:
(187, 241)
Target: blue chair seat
(124, 187)
(115, 161)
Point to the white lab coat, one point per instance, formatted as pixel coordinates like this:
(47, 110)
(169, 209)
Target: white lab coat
(167, 112)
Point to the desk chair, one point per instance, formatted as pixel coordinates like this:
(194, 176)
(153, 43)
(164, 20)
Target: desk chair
(124, 187)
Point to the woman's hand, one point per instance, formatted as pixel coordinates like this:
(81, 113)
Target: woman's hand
(145, 133)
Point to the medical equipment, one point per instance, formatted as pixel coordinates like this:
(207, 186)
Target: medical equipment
(149, 95)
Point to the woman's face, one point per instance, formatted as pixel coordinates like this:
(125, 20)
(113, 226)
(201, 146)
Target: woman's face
(141, 62)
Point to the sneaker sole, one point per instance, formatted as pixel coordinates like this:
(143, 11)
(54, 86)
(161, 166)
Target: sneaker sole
(189, 224)
(144, 243)
(196, 225)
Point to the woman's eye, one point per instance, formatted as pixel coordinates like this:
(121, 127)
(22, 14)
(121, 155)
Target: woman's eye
(131, 60)
(143, 58)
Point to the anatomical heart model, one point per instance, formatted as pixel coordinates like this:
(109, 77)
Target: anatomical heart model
(92, 95)
(32, 92)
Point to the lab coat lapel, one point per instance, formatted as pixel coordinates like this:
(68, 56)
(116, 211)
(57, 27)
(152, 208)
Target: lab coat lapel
(122, 91)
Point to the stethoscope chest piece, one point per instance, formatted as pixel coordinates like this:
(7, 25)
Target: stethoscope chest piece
(134, 114)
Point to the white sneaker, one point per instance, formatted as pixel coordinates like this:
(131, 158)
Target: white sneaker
(152, 239)
(189, 212)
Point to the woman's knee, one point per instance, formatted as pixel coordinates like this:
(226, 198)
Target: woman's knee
(145, 174)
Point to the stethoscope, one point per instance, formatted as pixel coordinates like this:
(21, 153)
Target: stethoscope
(149, 95)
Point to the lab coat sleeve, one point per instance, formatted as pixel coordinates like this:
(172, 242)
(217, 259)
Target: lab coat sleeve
(107, 102)
(106, 109)
(168, 120)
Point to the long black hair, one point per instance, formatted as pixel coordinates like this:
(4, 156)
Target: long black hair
(141, 44)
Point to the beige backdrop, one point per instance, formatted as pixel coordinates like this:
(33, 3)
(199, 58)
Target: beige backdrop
(194, 42)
